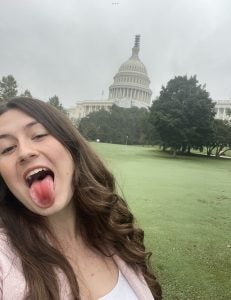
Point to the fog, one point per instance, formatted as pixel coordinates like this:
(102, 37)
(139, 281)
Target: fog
(74, 48)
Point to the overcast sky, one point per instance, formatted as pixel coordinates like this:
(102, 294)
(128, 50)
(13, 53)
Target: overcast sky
(73, 48)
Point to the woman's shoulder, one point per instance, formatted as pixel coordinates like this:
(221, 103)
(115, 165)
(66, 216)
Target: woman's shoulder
(12, 281)
(7, 255)
(4, 241)
(135, 279)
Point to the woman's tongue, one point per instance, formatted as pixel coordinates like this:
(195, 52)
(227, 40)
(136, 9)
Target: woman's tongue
(42, 192)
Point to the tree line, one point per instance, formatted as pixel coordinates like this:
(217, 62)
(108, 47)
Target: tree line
(117, 125)
(9, 89)
(182, 118)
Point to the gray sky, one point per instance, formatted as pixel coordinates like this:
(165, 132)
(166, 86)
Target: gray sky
(73, 48)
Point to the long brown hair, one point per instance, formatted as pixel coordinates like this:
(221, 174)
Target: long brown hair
(103, 217)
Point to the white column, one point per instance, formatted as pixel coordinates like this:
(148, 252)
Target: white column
(139, 95)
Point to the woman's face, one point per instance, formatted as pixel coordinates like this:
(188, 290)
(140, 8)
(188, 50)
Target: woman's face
(36, 167)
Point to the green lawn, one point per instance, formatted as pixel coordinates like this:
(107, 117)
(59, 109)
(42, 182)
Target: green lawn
(184, 206)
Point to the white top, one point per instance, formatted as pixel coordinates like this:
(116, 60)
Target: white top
(122, 290)
(13, 284)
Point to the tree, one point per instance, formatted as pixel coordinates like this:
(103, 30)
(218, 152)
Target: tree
(54, 101)
(228, 112)
(119, 125)
(166, 117)
(8, 87)
(183, 114)
(221, 138)
(26, 93)
(95, 126)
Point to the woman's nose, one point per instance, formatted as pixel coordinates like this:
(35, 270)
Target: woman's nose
(26, 153)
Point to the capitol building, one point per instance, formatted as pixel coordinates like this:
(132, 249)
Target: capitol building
(131, 83)
(130, 88)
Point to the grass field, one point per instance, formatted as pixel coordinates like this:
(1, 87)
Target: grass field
(184, 206)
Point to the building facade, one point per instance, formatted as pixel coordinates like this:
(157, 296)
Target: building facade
(84, 108)
(131, 82)
(223, 110)
(130, 88)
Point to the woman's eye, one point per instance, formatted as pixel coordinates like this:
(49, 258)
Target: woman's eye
(8, 150)
(39, 136)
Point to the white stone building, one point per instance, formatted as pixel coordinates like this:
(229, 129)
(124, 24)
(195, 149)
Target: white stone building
(131, 83)
(223, 109)
(84, 108)
(130, 88)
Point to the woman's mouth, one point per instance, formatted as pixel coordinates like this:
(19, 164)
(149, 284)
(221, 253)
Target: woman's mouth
(38, 174)
(41, 186)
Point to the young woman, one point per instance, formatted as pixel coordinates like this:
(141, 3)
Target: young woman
(64, 231)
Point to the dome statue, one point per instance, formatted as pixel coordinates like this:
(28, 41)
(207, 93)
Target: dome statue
(131, 83)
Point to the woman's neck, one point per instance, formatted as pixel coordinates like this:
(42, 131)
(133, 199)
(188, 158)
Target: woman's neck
(63, 224)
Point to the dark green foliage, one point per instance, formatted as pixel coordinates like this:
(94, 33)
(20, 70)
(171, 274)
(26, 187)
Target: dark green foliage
(26, 93)
(220, 139)
(183, 115)
(119, 126)
(54, 101)
(228, 112)
(8, 88)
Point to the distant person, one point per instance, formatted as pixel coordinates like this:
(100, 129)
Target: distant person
(65, 233)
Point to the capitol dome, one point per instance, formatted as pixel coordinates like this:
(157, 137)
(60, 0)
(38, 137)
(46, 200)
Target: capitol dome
(131, 83)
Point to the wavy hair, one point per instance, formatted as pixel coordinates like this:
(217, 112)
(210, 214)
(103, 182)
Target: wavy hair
(97, 204)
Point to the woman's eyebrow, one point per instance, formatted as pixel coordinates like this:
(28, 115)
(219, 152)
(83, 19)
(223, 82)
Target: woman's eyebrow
(4, 136)
(29, 125)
